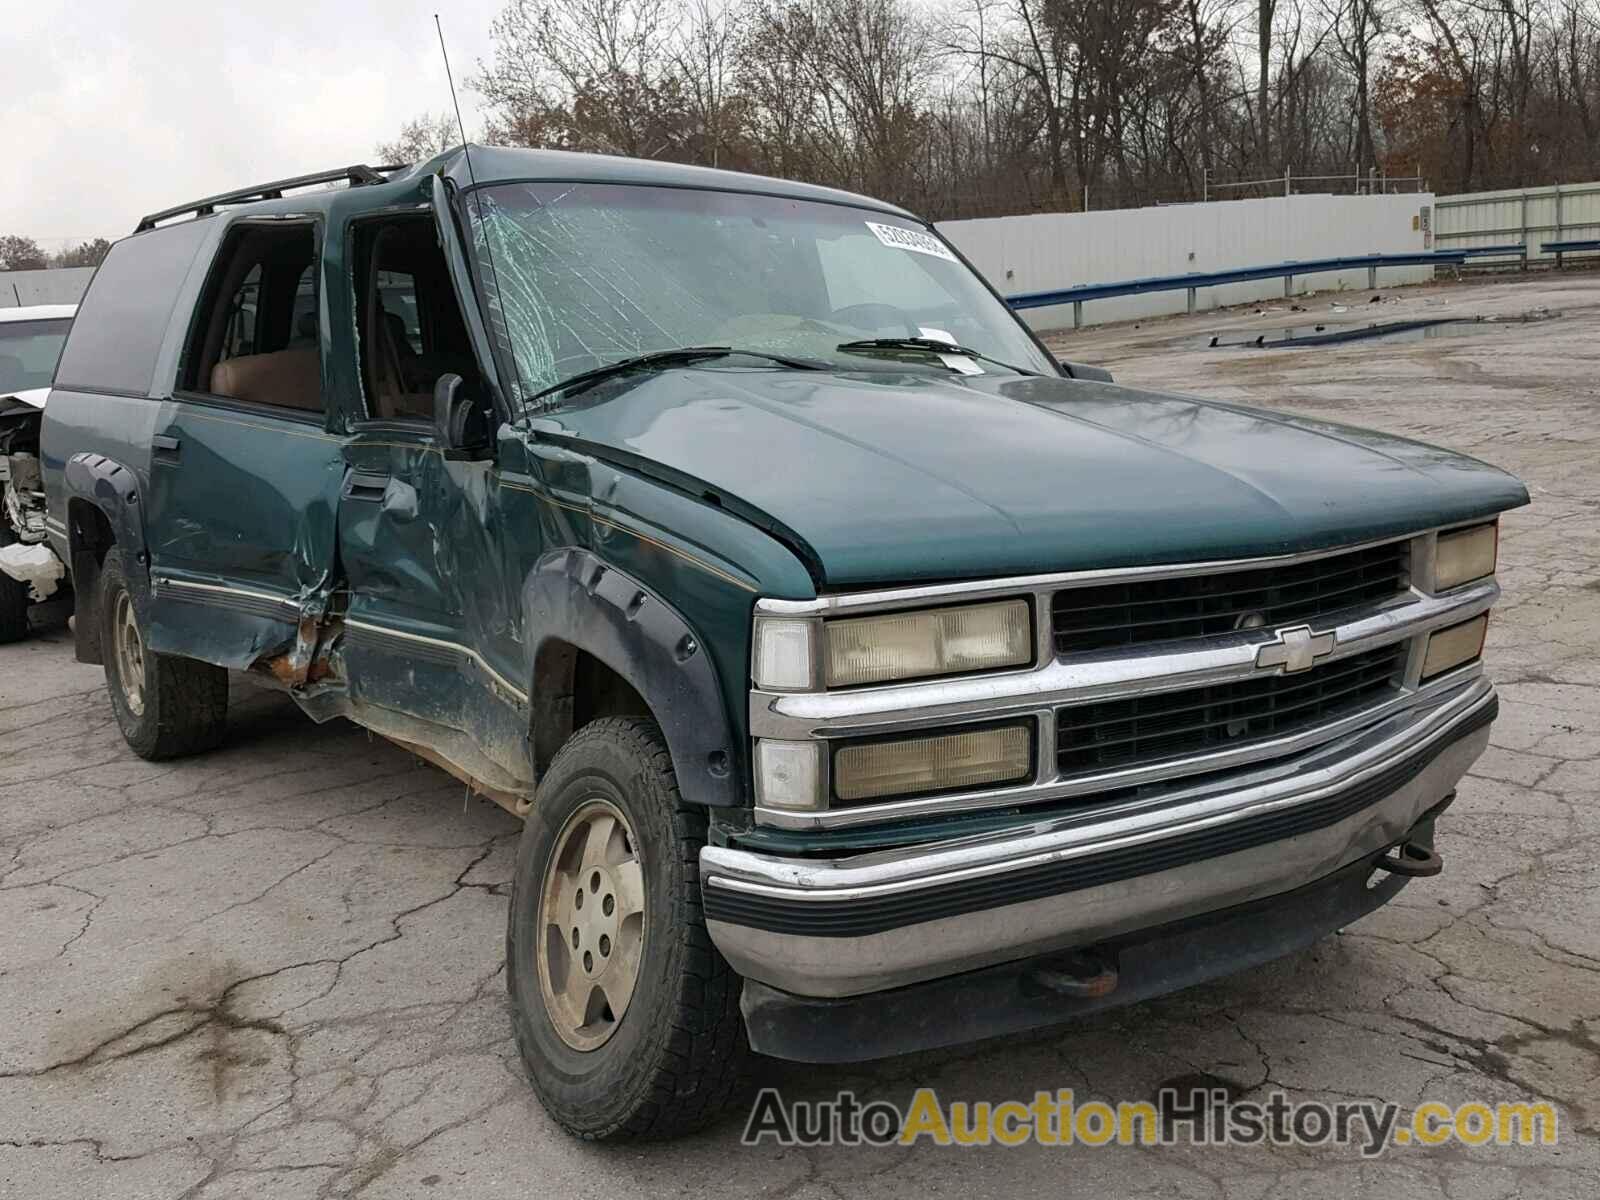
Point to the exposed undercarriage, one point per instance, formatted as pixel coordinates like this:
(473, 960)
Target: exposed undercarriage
(25, 555)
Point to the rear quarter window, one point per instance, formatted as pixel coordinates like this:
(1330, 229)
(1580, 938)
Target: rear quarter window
(122, 319)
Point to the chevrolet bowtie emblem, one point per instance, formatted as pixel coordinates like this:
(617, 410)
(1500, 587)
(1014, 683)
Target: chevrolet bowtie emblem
(1295, 650)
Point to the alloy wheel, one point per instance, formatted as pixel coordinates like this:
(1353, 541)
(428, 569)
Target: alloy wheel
(591, 925)
(130, 654)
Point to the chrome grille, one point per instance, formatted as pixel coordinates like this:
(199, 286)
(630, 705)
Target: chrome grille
(1152, 610)
(1145, 729)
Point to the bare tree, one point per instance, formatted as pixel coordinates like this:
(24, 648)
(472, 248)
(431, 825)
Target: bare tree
(421, 138)
(872, 60)
(1456, 48)
(1008, 105)
(1356, 30)
(1036, 47)
(776, 70)
(84, 254)
(591, 74)
(1575, 81)
(1266, 14)
(705, 61)
(1206, 26)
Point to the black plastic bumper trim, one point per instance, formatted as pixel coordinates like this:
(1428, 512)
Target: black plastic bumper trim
(1013, 998)
(857, 917)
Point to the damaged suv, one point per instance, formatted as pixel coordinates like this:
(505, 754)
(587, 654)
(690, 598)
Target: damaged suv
(868, 680)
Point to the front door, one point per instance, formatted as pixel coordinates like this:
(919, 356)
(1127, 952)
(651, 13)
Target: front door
(244, 476)
(430, 616)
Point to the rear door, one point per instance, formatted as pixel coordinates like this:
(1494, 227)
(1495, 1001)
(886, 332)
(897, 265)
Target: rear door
(244, 475)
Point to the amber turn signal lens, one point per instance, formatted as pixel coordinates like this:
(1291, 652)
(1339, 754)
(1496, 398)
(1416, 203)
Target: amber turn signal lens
(1453, 646)
(872, 770)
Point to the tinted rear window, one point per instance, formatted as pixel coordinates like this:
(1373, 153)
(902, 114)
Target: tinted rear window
(123, 317)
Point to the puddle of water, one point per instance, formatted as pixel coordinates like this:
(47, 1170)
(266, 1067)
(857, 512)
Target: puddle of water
(1293, 337)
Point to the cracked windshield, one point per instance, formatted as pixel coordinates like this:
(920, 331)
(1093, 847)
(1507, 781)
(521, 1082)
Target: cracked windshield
(593, 274)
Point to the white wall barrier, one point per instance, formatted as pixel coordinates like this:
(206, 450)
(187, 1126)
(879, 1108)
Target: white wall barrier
(1566, 212)
(1056, 250)
(53, 285)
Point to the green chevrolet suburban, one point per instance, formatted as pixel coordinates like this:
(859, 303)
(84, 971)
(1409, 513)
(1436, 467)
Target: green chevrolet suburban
(868, 680)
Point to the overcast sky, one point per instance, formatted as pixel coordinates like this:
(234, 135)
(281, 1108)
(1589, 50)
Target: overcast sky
(115, 108)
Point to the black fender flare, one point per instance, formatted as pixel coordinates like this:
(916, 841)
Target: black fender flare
(112, 490)
(573, 599)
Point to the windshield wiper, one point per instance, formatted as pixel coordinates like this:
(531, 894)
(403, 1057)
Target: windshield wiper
(931, 345)
(661, 359)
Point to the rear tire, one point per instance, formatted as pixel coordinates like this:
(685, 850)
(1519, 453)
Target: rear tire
(166, 706)
(609, 823)
(13, 595)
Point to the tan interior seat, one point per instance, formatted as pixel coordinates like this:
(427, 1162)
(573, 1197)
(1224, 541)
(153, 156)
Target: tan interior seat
(285, 378)
(396, 369)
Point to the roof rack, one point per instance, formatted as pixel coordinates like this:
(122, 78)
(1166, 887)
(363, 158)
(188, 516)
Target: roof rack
(359, 175)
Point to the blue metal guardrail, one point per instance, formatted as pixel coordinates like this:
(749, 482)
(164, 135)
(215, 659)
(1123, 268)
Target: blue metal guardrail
(1517, 248)
(1560, 248)
(1191, 282)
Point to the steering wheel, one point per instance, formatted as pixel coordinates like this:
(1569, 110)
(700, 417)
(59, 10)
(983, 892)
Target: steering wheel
(875, 316)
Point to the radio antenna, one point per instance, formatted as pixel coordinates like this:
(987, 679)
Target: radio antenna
(450, 79)
(472, 177)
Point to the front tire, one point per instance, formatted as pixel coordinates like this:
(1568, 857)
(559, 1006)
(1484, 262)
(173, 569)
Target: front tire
(626, 1015)
(166, 706)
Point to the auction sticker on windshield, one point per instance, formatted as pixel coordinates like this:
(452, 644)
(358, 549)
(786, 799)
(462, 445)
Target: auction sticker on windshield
(913, 240)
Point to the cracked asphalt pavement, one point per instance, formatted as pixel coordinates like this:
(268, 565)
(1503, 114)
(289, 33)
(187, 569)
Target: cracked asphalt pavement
(276, 970)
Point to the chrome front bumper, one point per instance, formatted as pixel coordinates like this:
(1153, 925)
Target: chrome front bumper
(845, 927)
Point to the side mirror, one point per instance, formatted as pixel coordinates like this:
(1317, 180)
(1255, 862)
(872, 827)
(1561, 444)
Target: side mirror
(1077, 370)
(458, 423)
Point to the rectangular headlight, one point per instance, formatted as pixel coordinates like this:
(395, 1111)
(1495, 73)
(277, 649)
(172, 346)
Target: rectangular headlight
(941, 763)
(943, 641)
(1465, 555)
(1453, 646)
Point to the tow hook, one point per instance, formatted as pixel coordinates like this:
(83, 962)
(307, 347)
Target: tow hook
(1411, 858)
(1082, 974)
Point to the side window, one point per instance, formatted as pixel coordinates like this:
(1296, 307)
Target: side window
(126, 312)
(410, 324)
(254, 332)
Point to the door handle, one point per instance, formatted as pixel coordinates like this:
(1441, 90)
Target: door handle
(397, 498)
(400, 501)
(165, 448)
(362, 485)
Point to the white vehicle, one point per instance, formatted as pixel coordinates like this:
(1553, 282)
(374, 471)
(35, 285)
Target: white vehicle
(30, 343)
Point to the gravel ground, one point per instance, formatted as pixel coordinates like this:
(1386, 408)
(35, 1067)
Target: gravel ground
(275, 971)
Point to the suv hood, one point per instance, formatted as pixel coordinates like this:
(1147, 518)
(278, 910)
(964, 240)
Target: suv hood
(32, 397)
(899, 477)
